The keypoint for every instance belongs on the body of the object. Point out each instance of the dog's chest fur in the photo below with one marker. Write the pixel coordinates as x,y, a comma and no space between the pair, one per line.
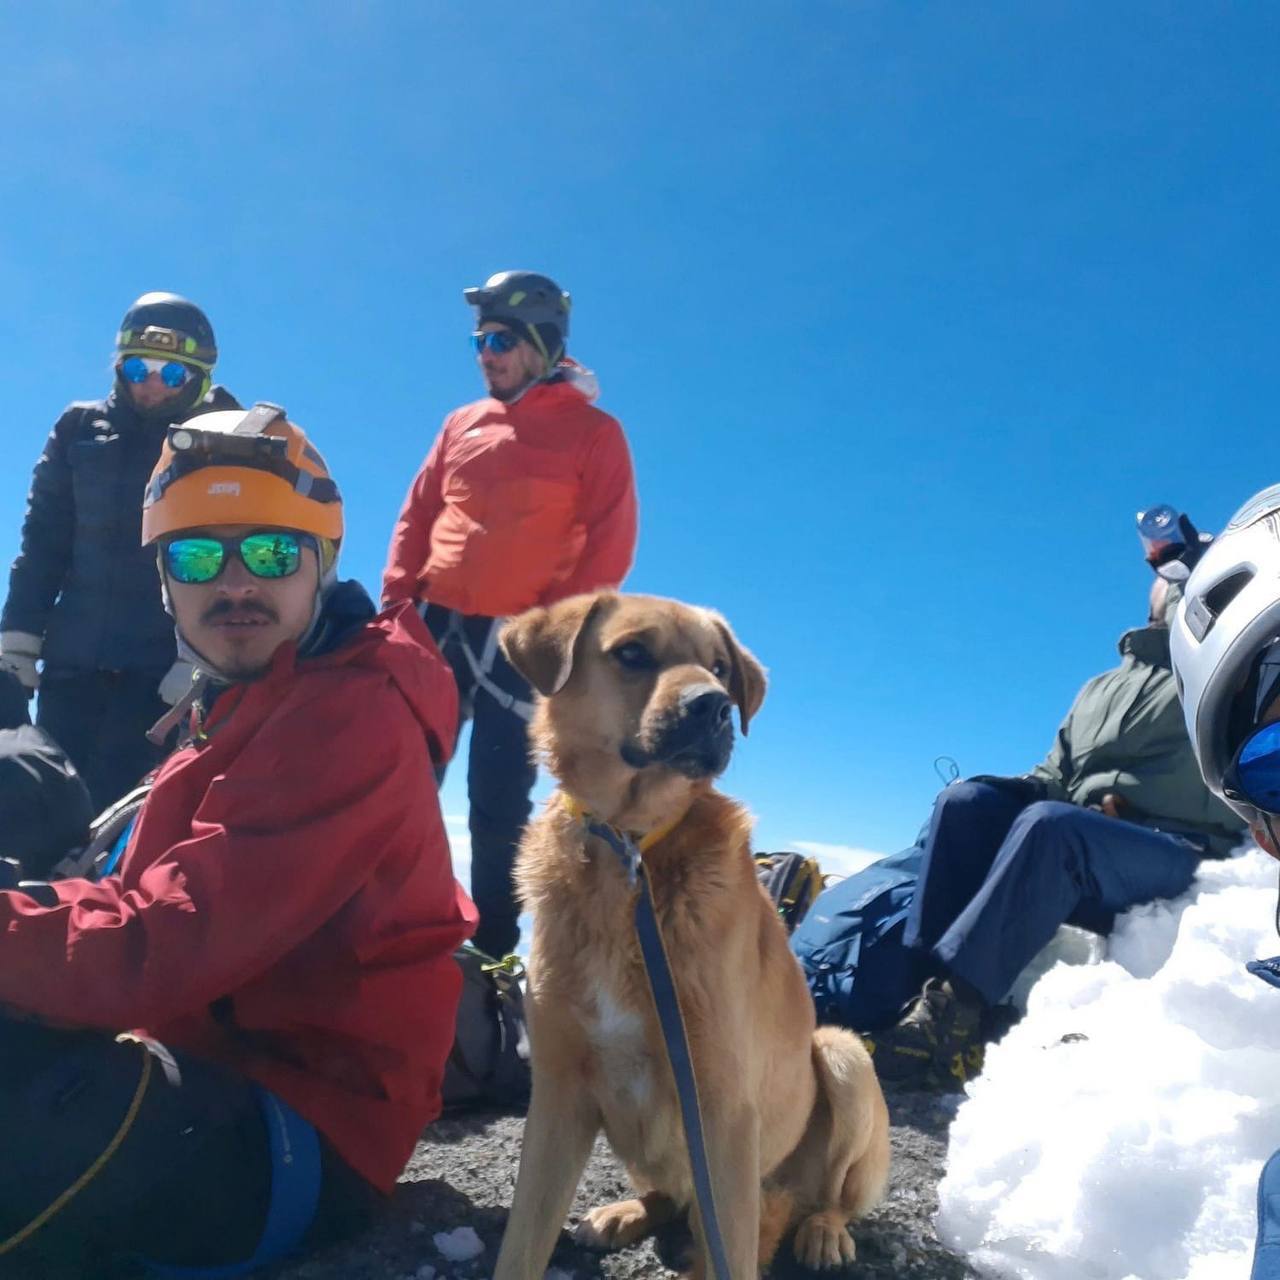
633,1085
615,1029
590,972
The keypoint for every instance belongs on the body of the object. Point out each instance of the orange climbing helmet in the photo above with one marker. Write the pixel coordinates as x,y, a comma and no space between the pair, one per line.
241,467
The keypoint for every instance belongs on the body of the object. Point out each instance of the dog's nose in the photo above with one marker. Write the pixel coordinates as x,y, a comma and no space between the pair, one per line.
708,706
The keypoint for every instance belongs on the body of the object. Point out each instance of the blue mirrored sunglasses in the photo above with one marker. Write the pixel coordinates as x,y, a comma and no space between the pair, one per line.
1254,775
138,369
499,341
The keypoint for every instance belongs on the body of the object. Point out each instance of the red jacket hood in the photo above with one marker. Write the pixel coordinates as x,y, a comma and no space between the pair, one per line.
393,642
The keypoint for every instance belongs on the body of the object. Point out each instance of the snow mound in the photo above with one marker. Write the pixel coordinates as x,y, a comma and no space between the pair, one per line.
1117,1133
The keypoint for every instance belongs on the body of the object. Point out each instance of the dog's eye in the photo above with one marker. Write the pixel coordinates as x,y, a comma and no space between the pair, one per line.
634,656
720,669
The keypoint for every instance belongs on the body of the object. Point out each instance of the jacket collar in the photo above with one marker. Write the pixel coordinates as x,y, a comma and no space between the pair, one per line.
1147,644
568,378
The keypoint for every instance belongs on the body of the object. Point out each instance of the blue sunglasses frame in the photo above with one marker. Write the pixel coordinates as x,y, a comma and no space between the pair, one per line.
173,373
499,341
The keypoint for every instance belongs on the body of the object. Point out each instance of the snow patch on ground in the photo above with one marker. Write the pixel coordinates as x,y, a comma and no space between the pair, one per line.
1117,1133
459,1245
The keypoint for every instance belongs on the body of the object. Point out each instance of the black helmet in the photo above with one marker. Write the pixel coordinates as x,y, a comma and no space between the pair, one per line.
163,324
532,304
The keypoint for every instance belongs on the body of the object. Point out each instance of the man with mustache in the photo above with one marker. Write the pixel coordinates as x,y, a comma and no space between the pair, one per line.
277,939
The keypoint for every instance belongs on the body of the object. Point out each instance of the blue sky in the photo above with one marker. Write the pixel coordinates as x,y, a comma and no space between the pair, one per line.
906,307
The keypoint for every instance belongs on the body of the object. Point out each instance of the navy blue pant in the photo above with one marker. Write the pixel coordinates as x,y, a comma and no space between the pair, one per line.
1000,876
171,1154
1266,1257
100,719
500,772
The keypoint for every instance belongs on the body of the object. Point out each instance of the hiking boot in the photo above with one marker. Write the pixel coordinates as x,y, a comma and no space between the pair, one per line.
936,1044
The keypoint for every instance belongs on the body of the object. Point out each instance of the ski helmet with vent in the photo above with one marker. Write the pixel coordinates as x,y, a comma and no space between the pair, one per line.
1228,619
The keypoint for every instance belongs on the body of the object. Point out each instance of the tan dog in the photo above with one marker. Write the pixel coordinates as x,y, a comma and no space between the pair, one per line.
634,722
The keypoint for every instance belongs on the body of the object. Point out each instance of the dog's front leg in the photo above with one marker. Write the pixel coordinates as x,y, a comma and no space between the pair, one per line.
561,1126
731,1129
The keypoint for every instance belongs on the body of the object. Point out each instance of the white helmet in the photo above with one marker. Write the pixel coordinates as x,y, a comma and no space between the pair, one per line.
1230,613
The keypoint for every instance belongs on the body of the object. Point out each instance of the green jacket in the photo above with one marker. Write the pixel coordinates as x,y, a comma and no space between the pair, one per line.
1125,734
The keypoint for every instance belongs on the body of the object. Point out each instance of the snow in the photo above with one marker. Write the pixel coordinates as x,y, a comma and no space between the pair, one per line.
1131,1149
459,1245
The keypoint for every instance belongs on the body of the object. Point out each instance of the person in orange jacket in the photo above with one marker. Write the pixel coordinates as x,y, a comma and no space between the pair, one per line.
526,497
278,938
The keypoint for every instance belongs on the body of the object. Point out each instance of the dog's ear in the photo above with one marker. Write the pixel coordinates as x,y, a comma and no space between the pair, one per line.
541,643
746,677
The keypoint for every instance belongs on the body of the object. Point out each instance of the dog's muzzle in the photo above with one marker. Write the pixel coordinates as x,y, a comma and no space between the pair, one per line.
696,739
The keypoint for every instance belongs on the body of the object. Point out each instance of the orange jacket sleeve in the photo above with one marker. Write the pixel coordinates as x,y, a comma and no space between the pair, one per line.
609,513
411,538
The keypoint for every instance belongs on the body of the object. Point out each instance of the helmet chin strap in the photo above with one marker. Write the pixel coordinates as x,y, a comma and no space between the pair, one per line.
328,580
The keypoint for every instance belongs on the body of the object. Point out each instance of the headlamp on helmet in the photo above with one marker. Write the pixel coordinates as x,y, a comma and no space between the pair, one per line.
168,324
215,446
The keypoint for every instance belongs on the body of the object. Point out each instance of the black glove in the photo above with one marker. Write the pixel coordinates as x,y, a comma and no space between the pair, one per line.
1023,787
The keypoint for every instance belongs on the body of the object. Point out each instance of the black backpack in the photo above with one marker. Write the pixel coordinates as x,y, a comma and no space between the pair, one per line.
44,805
489,1063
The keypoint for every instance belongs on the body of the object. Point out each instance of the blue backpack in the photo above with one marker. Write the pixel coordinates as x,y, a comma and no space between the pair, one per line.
850,945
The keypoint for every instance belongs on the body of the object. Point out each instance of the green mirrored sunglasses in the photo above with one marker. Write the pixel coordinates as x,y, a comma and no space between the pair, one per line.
266,554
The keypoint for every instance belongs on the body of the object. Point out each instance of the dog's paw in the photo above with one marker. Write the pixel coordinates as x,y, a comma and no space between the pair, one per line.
614,1226
823,1241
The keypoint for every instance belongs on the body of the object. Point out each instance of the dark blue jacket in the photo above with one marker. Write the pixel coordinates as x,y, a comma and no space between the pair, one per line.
83,580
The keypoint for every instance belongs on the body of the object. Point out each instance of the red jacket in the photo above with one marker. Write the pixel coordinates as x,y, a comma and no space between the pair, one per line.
517,505
294,869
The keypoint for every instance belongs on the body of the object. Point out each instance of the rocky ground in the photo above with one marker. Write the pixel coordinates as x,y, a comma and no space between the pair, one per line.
463,1174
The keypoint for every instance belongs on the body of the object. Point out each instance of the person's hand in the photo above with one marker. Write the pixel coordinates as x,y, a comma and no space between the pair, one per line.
177,682
1113,805
19,652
